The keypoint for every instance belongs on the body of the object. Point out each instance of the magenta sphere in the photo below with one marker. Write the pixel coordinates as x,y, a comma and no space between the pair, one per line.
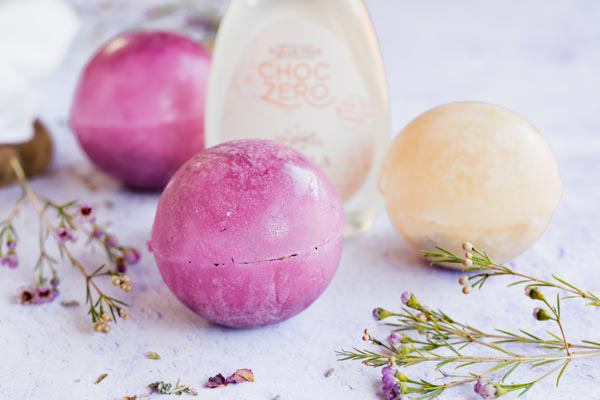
248,233
138,110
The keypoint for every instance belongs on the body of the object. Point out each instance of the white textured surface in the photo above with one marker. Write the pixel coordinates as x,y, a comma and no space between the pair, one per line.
538,58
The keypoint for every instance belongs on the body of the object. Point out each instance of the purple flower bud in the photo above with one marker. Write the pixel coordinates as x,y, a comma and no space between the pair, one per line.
64,235
388,382
488,390
406,297
388,371
478,386
410,300
55,281
11,244
10,260
395,339
111,241
121,265
97,233
379,314
392,393
131,255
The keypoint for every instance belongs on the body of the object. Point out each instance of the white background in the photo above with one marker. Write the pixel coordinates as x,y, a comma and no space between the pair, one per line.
538,58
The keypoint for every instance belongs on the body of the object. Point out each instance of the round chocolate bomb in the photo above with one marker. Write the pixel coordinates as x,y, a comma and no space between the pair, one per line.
138,110
248,233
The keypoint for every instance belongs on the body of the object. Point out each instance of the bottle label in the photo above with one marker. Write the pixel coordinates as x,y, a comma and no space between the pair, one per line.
297,83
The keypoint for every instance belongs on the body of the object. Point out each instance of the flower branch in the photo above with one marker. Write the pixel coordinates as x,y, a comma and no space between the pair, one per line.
421,335
71,218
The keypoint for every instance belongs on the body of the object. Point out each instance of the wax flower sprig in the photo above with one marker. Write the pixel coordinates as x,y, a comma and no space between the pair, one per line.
63,224
482,358
475,260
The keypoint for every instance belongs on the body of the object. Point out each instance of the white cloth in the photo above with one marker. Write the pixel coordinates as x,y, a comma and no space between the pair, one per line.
34,36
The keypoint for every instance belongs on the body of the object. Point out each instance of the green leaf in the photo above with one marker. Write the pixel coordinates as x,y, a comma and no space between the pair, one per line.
510,371
530,335
543,363
555,336
566,283
562,370
442,364
518,283
466,364
506,332
501,365
525,390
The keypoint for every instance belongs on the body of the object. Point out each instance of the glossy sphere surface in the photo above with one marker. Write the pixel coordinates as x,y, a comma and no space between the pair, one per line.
471,172
138,110
248,233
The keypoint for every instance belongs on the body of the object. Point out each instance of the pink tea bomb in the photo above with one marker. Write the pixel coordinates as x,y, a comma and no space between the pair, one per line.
138,110
248,233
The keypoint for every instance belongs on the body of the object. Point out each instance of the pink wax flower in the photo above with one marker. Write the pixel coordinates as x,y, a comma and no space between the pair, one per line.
138,111
248,233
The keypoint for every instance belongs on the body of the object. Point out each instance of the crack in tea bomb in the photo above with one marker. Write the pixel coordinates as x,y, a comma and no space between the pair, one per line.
248,233
138,110
470,172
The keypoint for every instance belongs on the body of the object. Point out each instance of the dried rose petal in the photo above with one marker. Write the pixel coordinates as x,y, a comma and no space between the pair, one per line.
241,376
216,381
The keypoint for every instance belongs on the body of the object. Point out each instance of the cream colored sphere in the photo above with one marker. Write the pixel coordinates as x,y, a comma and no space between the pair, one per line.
471,172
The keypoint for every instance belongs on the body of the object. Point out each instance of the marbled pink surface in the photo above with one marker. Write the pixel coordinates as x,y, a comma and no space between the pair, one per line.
248,233
138,110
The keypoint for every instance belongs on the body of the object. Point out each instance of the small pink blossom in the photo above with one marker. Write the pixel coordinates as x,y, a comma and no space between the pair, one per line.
86,213
64,235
